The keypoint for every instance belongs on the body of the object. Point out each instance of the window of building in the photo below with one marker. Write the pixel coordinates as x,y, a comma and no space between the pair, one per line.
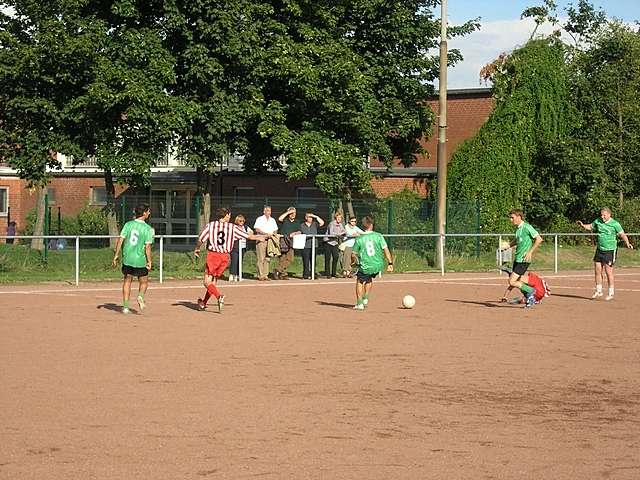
51,195
98,196
4,200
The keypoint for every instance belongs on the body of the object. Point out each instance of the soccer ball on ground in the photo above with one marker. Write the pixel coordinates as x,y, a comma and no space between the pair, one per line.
408,301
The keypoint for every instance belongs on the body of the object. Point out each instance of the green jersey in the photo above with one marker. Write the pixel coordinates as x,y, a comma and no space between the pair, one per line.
607,233
136,234
369,247
524,240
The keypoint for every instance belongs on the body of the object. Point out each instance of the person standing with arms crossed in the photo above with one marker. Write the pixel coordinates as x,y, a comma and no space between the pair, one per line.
370,250
265,225
608,231
135,242
526,242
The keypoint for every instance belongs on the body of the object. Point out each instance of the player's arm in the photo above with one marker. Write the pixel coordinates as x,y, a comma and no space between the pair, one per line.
204,234
147,253
387,253
624,237
116,254
586,226
537,240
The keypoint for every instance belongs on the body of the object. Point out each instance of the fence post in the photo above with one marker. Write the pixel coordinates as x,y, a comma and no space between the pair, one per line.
197,213
500,254
240,248
313,258
442,240
390,221
477,227
45,229
555,253
77,261
161,258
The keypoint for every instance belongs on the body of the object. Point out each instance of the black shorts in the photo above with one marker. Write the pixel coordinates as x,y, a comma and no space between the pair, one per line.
366,277
520,268
605,257
135,271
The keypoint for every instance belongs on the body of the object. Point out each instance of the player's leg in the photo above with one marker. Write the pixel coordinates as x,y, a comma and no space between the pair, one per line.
367,289
597,269
359,293
143,284
608,268
126,292
515,281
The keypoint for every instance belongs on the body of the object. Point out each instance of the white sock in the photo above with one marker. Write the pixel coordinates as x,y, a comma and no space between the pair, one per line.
598,287
611,291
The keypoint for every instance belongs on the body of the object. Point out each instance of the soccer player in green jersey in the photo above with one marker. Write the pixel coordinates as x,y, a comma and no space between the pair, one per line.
135,242
608,231
526,242
370,249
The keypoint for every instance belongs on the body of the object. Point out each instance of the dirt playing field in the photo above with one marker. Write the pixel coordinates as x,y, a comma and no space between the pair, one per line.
290,383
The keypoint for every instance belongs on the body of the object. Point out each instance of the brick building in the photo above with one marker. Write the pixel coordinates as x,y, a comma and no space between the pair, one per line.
172,194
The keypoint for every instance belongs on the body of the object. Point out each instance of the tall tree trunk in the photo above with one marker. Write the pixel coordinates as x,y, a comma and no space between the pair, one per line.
350,206
110,207
38,228
205,184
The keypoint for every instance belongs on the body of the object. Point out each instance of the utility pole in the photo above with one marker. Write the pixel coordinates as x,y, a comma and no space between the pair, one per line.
442,136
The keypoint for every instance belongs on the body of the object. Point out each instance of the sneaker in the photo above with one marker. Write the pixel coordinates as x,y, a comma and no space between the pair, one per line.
220,303
141,303
597,294
126,310
359,306
608,297
201,304
531,301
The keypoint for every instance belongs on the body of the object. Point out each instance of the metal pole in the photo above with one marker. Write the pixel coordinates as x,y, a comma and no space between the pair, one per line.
555,253
500,254
161,258
442,239
77,261
442,127
313,258
240,248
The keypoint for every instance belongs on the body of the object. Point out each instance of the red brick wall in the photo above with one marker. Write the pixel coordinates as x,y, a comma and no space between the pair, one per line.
466,113
383,187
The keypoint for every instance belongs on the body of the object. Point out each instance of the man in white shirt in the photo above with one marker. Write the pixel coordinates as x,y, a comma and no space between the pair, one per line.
265,225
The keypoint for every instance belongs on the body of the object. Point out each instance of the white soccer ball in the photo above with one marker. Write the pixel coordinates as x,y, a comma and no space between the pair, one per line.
408,301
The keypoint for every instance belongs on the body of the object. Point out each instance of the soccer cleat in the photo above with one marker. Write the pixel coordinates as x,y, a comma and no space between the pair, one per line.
359,306
220,303
126,310
608,297
201,304
531,301
141,303
597,294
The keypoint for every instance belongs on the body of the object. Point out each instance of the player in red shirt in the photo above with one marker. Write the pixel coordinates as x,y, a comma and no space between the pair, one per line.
219,236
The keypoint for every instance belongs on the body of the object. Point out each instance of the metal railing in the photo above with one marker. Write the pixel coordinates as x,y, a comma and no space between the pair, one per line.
441,252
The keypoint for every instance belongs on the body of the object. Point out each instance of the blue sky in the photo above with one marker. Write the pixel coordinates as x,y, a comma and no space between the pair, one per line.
502,30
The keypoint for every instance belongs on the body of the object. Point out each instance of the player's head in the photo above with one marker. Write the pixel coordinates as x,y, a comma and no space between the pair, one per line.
337,216
605,213
267,210
142,210
223,214
239,220
367,223
516,216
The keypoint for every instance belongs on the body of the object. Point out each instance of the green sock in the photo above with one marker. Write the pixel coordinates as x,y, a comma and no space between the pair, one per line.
141,295
359,301
125,304
526,289
365,296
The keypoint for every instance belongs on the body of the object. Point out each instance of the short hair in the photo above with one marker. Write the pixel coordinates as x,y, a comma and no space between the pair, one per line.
222,212
338,212
238,218
140,209
367,221
292,208
606,209
517,211
266,206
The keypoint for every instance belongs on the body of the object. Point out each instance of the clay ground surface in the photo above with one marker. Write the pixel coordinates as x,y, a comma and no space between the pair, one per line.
290,383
